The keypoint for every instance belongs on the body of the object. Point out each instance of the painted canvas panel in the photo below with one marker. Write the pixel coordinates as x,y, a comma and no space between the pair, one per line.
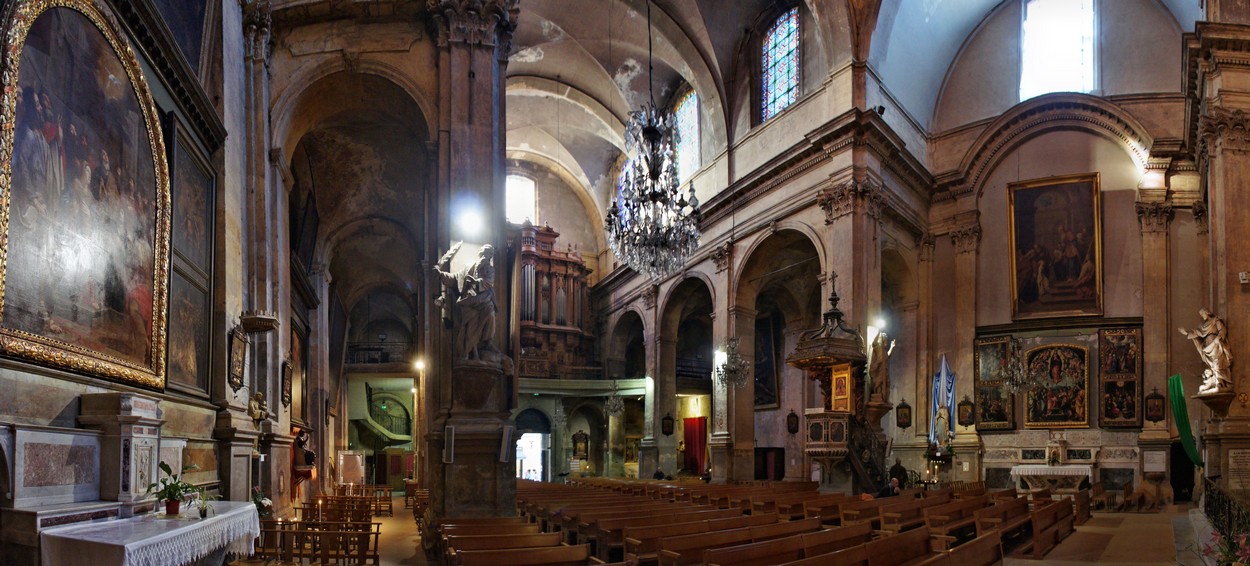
766,333
1063,401
1056,247
299,360
186,19
990,358
85,276
841,398
192,195
1119,351
1121,402
188,343
995,405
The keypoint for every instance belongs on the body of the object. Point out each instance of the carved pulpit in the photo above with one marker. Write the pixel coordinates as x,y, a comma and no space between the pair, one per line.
833,356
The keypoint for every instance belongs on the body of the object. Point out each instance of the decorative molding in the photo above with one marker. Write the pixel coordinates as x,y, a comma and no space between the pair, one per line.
853,195
1200,217
475,22
1154,217
351,61
925,244
722,256
259,321
648,296
257,31
966,240
1044,113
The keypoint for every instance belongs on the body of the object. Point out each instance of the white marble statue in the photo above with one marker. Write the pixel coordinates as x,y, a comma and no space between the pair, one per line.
1210,340
468,302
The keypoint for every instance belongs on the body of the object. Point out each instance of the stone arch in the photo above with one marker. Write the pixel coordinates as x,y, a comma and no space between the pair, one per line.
1047,113
897,278
534,416
670,319
790,234
628,328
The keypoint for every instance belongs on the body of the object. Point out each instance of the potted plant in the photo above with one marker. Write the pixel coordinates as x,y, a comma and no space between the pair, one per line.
264,505
1229,550
171,489
205,502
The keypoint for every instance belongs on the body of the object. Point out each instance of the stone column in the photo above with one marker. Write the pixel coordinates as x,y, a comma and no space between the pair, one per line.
720,443
665,402
966,236
1155,218
742,399
852,216
318,378
477,477
616,446
648,453
924,342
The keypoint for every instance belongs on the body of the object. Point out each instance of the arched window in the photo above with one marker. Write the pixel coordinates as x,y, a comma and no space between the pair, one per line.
781,64
520,199
1057,47
686,116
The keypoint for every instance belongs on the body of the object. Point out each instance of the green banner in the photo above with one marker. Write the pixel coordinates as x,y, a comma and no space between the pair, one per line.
1176,396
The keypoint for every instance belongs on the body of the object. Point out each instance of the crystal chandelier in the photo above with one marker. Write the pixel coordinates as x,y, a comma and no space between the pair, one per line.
614,406
731,369
1016,377
651,226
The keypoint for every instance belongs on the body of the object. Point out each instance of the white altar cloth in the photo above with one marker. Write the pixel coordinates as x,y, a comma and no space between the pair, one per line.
1042,470
154,540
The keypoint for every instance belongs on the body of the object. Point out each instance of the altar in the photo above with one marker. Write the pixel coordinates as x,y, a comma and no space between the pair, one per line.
156,540
1067,477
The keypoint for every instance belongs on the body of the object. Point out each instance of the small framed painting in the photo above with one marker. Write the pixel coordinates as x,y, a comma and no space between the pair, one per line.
841,388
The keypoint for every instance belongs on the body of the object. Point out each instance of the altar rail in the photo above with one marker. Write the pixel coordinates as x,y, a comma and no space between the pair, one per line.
1227,514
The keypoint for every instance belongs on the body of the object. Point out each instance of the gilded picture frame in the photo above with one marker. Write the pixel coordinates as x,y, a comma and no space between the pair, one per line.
1055,246
1119,352
84,265
840,397
1063,400
995,405
238,356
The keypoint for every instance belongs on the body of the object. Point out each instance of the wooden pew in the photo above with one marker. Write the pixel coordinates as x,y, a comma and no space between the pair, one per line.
1041,497
853,556
461,543
1081,506
865,510
641,542
1050,524
609,533
986,550
1009,493
898,517
763,552
547,556
689,549
953,517
791,505
833,540
581,524
909,548
1009,517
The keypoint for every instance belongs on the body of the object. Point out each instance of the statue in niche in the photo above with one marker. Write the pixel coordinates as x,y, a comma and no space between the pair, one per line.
257,408
468,304
1210,340
879,366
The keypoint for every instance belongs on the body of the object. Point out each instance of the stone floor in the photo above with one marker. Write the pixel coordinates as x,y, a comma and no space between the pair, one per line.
1114,539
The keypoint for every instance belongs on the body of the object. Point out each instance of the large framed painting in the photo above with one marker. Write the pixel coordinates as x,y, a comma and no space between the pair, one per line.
84,186
1121,402
767,330
990,358
1062,401
1056,247
995,405
1119,352
188,342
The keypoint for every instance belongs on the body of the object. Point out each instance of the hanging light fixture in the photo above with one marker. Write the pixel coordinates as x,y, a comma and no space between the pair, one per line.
731,369
558,418
1016,376
651,226
614,406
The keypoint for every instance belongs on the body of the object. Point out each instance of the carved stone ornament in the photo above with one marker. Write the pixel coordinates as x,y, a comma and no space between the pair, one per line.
257,30
475,22
1221,128
1154,216
1200,218
925,245
648,296
721,256
854,195
967,239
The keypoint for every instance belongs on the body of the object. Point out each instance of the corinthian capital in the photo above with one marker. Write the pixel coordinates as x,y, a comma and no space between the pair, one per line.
1224,128
480,22
853,195
967,239
1154,216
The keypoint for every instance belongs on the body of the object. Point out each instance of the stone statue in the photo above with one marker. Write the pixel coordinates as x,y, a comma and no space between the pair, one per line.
879,366
1210,339
468,302
257,408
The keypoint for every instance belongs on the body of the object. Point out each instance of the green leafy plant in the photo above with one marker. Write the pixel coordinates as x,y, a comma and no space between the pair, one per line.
205,501
171,487
1228,550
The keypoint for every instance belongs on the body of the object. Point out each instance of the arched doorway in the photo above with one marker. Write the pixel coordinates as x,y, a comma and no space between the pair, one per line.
533,448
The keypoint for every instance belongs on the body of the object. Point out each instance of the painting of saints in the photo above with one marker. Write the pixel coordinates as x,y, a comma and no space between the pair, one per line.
1056,255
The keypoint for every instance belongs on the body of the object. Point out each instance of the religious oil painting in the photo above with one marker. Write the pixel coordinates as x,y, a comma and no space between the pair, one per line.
86,187
1120,402
990,357
841,387
192,198
767,330
188,345
1119,352
995,405
1056,247
1061,400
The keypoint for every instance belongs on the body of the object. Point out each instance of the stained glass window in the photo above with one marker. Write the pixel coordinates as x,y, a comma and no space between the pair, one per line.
687,118
1057,38
520,199
781,64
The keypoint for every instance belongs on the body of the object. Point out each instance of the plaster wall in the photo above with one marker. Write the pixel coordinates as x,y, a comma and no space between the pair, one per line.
1138,52
1062,153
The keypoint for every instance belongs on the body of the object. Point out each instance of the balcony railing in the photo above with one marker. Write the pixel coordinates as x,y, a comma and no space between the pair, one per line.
377,352
1229,515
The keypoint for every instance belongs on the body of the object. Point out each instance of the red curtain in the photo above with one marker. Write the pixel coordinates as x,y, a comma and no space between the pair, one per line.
696,444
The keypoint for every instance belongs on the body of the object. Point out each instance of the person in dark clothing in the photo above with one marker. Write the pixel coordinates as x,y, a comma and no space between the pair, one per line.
659,474
897,471
890,490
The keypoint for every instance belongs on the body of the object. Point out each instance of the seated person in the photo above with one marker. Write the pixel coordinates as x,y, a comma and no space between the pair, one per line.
891,489
659,474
